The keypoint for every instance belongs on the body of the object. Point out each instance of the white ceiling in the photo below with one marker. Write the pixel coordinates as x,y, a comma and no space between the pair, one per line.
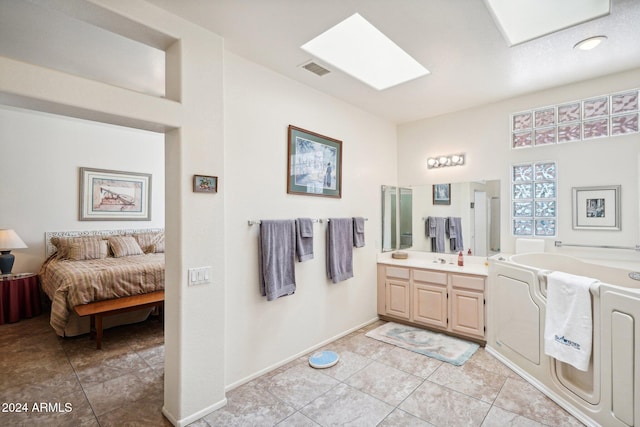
457,40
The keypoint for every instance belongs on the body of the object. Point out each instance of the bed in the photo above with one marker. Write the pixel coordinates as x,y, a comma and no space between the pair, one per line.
89,266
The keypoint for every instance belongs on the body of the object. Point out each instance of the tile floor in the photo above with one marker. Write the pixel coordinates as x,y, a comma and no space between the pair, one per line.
374,384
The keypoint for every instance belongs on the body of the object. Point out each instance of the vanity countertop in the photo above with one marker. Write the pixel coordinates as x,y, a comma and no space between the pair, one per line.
472,264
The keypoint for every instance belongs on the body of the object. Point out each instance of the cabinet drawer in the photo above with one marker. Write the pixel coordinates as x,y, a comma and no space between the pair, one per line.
399,273
467,282
430,276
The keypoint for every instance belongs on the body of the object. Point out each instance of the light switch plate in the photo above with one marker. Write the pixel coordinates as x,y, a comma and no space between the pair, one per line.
199,276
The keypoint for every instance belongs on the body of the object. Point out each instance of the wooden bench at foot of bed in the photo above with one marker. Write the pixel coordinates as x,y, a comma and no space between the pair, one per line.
97,310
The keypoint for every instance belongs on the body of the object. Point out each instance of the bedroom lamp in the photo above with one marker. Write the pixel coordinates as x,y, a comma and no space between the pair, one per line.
9,240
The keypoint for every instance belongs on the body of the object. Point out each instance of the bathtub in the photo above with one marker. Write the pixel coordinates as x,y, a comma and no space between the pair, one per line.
608,394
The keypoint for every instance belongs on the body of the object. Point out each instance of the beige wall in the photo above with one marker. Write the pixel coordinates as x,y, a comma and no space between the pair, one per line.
259,105
483,133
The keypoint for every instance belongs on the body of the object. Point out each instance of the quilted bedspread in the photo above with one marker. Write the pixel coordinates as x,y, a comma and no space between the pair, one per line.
70,283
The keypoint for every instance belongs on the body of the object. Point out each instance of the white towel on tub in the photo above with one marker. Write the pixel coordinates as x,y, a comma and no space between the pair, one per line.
568,321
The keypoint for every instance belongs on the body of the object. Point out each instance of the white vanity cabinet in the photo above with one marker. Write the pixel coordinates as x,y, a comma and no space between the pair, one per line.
451,302
397,292
467,305
429,294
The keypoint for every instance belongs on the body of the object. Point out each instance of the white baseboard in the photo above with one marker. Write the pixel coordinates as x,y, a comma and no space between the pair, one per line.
193,417
295,356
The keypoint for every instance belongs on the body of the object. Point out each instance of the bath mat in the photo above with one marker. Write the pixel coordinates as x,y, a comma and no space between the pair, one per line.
432,344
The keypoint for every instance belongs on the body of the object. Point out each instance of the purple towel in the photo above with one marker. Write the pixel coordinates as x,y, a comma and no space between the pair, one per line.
358,232
340,249
454,230
435,228
304,239
277,249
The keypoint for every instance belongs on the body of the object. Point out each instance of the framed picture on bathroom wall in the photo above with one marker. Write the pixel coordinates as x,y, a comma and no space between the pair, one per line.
442,194
314,164
596,208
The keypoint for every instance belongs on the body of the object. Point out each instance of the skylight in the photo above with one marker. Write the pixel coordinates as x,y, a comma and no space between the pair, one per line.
362,51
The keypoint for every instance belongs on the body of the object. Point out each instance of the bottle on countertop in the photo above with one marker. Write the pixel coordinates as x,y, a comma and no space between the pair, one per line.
460,259
469,252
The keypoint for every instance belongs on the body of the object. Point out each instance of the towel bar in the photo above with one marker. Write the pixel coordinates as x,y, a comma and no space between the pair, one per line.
258,222
559,244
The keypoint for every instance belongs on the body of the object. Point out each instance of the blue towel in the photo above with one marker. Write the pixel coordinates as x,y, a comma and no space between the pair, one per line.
277,249
304,239
340,249
454,231
358,232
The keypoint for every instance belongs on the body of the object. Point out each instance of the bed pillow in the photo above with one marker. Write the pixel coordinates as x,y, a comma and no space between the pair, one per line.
88,249
122,246
150,242
63,244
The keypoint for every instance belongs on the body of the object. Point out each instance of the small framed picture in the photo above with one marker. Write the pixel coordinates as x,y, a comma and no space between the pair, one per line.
596,208
442,194
205,184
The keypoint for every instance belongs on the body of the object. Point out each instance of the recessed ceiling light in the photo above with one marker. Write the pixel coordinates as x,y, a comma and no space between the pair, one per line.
590,43
362,51
524,20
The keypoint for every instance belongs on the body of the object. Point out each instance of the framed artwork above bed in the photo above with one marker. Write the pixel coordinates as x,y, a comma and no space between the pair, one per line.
108,195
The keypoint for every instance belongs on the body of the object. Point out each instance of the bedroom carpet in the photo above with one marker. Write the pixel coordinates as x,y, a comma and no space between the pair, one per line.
439,346
373,384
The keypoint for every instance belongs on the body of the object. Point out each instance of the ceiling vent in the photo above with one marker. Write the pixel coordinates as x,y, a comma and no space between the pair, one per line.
316,69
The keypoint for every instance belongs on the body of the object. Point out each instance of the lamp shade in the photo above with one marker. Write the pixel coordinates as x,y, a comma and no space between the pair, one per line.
10,240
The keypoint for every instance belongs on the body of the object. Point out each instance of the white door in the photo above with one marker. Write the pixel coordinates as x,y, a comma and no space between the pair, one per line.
480,223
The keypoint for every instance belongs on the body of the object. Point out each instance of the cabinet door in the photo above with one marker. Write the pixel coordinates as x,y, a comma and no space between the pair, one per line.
467,312
397,301
430,304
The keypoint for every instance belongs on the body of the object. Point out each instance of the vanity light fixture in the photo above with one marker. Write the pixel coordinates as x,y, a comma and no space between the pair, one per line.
442,161
590,43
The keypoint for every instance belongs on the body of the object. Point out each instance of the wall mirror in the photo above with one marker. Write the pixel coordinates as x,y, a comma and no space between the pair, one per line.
476,203
397,218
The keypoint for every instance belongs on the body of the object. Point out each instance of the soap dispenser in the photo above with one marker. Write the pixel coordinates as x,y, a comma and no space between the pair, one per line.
460,259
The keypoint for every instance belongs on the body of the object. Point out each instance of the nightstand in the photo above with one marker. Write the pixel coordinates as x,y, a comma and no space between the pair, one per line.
19,297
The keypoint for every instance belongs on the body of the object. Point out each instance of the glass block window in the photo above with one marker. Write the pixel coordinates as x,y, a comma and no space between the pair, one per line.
597,117
534,199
